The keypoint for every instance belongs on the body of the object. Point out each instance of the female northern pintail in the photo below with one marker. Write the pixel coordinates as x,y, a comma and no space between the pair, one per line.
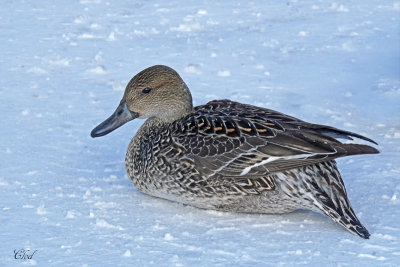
229,156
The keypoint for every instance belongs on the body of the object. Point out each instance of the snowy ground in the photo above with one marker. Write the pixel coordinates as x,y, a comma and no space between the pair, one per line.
64,65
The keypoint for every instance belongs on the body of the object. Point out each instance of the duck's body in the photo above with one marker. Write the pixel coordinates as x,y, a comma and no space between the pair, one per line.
234,157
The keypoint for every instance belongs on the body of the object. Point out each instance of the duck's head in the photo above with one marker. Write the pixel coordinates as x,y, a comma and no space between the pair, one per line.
157,92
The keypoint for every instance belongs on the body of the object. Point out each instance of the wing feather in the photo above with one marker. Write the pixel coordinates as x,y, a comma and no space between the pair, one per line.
230,139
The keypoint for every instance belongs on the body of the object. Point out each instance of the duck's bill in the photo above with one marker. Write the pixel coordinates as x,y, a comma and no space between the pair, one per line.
120,116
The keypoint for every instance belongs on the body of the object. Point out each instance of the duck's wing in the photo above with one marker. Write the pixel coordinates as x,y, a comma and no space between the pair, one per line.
235,140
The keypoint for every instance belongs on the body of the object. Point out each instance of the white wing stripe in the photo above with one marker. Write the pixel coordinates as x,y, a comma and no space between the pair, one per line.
270,159
233,159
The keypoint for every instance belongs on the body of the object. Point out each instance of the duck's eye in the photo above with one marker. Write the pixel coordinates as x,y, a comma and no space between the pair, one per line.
146,90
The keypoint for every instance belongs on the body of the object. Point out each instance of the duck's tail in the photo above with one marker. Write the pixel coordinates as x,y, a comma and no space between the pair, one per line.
347,218
322,190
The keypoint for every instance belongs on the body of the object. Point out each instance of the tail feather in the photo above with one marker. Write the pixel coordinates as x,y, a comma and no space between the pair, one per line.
355,149
333,201
337,133
328,135
319,187
346,217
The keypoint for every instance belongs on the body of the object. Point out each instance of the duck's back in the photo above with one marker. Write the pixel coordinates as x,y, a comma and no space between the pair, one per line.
237,140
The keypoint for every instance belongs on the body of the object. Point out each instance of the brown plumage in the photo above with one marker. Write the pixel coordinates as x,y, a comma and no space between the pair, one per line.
225,155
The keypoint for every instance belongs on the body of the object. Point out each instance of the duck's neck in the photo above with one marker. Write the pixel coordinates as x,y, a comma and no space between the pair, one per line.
148,125
155,122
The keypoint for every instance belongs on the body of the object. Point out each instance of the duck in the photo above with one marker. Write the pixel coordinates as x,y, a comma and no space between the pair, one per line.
230,156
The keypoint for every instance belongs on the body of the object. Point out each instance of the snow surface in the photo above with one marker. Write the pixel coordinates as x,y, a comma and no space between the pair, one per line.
64,66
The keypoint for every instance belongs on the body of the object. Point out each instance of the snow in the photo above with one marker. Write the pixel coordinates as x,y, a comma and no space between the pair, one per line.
64,65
